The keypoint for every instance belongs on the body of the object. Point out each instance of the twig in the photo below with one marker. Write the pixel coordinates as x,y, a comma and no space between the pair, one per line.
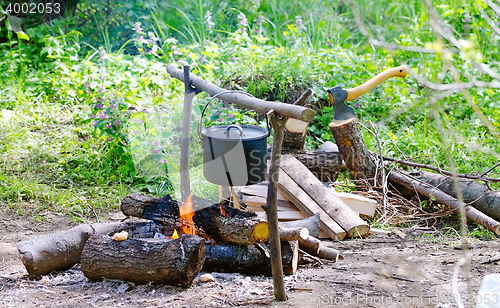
489,170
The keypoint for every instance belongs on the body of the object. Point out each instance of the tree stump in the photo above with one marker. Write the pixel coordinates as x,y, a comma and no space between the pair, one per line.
359,161
144,260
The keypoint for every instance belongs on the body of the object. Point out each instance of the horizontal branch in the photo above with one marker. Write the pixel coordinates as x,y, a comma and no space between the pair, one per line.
282,109
443,172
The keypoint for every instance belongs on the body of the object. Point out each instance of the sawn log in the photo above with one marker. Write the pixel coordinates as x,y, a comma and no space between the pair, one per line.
59,251
158,261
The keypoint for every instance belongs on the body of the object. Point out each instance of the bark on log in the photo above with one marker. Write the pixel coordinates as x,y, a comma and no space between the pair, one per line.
294,135
326,198
316,248
475,194
59,251
311,223
281,109
158,261
226,258
359,161
325,165
231,226
427,190
293,234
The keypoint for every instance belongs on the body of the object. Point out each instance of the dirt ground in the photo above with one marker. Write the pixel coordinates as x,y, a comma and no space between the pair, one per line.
376,272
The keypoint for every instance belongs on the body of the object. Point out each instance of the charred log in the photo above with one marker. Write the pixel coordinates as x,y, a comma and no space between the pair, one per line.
227,258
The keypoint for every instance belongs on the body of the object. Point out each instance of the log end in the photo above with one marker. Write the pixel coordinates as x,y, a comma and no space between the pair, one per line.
304,233
337,123
261,232
359,231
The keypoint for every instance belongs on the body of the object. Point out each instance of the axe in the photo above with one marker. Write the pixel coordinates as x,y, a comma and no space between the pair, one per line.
338,96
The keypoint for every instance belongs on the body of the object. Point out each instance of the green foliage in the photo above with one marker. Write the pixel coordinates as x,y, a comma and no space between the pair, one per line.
89,113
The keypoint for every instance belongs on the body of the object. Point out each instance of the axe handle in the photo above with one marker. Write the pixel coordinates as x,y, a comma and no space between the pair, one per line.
400,71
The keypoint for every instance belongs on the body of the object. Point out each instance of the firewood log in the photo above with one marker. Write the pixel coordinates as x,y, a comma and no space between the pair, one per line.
229,225
316,248
227,258
59,251
293,234
311,223
158,261
325,198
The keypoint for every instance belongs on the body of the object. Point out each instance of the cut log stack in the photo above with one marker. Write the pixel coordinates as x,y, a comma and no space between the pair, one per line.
301,192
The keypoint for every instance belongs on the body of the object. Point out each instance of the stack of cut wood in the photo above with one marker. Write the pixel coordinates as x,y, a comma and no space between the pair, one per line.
302,194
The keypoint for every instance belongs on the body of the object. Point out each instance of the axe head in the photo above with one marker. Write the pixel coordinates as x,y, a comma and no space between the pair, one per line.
338,98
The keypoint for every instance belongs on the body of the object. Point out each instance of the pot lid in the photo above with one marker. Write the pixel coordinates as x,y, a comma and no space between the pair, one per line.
235,132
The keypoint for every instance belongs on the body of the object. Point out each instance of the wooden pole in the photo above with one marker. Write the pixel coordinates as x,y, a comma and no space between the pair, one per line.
271,207
189,94
281,109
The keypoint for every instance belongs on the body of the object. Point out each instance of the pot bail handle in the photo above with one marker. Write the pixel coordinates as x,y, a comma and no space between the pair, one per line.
234,126
200,125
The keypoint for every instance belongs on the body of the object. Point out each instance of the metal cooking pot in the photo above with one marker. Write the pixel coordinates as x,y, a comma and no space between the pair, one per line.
234,155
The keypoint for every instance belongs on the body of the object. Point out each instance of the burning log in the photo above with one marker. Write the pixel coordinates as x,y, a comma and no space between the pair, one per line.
142,261
316,248
59,251
222,223
227,258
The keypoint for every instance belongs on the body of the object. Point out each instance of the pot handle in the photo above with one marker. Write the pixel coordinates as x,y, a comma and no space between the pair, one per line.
200,124
234,126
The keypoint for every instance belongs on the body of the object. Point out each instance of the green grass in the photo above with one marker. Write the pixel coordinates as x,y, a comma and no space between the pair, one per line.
52,157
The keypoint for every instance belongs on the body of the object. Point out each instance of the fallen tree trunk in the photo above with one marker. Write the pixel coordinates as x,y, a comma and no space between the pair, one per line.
316,248
159,261
428,190
59,251
228,225
359,161
227,258
475,194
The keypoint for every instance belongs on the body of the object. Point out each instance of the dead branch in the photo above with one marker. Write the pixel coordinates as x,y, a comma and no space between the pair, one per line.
443,172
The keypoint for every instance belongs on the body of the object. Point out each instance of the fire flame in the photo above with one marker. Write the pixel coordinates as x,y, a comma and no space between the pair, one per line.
186,214
222,210
175,235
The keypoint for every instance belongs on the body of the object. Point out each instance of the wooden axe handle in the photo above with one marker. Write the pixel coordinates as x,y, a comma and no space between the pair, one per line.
400,71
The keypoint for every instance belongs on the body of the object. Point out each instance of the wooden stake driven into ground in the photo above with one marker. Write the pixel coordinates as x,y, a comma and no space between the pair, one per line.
271,208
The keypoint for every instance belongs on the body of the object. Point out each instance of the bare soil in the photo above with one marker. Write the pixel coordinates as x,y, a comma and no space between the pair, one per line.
376,272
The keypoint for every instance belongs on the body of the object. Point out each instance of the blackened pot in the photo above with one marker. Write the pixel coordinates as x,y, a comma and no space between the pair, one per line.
234,155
